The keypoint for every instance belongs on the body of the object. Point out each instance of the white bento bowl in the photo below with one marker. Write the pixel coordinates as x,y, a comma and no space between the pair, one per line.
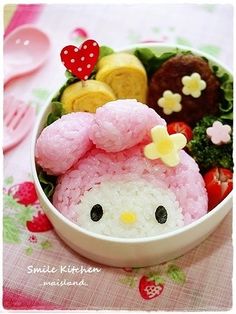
139,252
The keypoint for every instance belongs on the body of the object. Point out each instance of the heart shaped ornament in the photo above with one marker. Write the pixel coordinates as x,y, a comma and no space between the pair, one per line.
81,61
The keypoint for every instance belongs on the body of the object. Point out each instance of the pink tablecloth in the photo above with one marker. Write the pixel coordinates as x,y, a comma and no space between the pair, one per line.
200,280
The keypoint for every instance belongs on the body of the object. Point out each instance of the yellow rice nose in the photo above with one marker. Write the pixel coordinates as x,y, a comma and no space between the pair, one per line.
128,217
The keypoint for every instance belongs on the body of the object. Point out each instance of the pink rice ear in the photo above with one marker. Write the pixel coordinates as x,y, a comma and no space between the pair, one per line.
122,124
64,142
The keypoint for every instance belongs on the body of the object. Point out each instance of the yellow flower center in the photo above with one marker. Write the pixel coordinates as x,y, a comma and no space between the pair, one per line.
170,102
165,146
128,217
194,84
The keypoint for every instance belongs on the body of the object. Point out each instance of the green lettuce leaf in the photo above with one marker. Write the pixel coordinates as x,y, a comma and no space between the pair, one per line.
47,182
57,107
150,61
227,116
56,113
226,87
70,80
105,51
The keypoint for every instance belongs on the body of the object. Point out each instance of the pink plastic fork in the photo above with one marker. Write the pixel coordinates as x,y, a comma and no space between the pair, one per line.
17,120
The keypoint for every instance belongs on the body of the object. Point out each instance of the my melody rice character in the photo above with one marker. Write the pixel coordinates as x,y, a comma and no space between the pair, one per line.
120,173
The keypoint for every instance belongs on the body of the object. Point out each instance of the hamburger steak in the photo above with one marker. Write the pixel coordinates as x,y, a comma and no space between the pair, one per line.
169,77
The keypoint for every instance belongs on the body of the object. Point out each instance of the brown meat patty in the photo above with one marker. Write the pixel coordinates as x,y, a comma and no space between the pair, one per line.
169,76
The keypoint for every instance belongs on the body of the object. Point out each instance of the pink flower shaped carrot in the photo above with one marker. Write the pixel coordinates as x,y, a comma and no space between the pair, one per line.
219,133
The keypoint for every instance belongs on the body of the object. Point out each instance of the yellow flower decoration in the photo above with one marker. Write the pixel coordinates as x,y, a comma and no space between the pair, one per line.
165,146
193,85
170,102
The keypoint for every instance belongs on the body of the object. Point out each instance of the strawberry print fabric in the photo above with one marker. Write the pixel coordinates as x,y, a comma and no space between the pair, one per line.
39,271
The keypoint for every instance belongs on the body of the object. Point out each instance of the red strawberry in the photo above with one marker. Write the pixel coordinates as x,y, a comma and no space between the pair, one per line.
39,223
24,193
151,286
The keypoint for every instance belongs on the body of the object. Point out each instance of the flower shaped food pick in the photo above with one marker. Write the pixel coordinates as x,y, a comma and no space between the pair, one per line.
219,133
170,102
165,146
193,85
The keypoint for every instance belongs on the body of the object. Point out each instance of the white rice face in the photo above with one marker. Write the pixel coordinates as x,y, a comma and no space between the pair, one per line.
140,198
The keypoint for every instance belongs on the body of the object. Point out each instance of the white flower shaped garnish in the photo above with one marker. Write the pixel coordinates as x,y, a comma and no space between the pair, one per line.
219,133
170,102
193,85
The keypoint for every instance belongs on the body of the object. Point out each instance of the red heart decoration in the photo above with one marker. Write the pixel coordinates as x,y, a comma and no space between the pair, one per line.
81,61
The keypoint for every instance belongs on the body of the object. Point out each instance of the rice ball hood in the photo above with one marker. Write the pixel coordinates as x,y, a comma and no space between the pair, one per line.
108,168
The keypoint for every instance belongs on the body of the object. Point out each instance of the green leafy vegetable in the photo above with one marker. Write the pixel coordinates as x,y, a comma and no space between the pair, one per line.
206,154
150,61
47,182
69,75
57,107
226,104
227,116
71,79
56,113
226,87
105,51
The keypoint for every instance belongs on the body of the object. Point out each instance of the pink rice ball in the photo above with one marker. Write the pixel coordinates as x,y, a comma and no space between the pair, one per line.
123,123
98,166
63,142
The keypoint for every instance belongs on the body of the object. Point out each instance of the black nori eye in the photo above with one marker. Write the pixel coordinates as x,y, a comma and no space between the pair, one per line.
161,214
96,212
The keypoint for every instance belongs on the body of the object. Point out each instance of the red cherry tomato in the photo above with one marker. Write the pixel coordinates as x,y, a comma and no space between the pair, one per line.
219,182
180,127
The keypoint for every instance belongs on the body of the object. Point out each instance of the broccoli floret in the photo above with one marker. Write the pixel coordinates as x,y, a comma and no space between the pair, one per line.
205,153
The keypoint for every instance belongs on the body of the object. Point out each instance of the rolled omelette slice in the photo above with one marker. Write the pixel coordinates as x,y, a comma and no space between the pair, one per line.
86,96
125,74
